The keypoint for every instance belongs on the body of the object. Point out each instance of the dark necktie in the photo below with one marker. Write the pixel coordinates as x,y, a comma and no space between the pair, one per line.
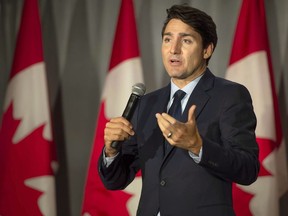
175,111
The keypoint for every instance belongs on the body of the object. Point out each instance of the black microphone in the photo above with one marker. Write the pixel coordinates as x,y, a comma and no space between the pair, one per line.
138,90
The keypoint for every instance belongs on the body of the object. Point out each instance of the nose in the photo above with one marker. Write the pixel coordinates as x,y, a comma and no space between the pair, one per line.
176,47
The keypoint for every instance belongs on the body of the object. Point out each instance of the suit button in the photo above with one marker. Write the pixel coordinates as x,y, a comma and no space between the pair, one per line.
162,183
213,163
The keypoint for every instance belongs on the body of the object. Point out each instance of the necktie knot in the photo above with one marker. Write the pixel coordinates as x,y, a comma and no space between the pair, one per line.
178,95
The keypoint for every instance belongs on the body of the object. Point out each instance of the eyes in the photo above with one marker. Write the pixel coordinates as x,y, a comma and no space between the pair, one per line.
184,40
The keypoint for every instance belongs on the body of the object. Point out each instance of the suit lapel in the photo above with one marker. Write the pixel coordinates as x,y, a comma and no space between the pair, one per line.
160,107
199,96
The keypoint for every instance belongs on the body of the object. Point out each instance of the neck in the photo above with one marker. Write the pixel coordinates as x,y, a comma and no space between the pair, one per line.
181,83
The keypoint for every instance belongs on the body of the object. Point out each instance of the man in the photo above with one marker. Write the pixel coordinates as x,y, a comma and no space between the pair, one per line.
188,162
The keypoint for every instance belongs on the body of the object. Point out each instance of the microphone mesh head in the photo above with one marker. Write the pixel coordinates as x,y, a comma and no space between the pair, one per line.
139,89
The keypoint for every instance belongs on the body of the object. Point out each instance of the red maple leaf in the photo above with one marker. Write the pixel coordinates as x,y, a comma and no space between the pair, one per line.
30,157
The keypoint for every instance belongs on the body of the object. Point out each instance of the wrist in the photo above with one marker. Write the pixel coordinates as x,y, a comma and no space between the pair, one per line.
196,147
110,152
196,150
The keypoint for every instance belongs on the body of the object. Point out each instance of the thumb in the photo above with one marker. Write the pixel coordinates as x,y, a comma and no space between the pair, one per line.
191,113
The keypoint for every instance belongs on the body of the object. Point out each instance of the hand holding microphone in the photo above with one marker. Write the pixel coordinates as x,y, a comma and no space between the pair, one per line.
138,90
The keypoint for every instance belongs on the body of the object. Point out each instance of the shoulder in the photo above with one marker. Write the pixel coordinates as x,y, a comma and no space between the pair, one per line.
162,92
228,87
219,85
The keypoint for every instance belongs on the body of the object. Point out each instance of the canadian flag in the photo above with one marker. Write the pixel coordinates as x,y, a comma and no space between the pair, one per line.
124,71
27,151
250,64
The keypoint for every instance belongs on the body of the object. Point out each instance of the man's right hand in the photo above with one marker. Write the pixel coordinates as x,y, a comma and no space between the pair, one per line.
117,129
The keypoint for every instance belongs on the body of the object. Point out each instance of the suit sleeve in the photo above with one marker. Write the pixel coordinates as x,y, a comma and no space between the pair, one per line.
235,156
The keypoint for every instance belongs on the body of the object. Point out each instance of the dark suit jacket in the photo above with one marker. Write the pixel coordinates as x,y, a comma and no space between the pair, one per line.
175,184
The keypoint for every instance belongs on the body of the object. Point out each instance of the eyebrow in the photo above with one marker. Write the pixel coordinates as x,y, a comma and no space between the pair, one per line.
181,34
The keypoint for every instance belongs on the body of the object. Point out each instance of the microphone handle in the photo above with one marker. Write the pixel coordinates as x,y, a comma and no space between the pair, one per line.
127,114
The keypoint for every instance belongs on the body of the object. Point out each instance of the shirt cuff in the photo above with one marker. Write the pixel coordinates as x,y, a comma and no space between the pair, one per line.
108,160
196,158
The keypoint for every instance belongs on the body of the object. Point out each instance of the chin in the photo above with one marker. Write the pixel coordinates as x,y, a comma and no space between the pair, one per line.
178,77
176,74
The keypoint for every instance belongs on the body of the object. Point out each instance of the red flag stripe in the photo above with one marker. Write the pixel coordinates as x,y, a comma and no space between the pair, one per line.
27,54
250,14
126,33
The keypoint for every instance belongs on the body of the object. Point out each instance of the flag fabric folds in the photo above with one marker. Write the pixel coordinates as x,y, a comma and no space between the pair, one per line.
27,150
250,64
124,71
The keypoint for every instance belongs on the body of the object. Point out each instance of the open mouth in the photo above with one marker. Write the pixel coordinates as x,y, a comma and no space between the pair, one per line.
172,60
175,61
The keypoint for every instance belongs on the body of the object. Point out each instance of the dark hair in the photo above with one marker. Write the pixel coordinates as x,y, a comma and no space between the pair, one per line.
197,19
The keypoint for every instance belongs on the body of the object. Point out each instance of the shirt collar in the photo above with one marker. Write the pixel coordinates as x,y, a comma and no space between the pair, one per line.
188,89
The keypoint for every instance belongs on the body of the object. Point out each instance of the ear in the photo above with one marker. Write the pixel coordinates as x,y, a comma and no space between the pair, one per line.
208,51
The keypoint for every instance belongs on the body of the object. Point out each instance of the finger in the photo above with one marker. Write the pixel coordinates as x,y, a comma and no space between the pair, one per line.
119,129
161,121
166,120
191,113
169,118
115,135
120,126
164,125
122,120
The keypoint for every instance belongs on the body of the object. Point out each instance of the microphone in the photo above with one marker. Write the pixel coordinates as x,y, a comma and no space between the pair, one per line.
138,90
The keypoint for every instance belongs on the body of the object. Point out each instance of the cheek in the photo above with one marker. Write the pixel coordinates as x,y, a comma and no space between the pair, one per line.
164,50
193,58
191,62
163,56
189,59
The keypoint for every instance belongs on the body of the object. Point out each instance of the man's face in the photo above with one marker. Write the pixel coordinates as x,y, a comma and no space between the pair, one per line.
182,52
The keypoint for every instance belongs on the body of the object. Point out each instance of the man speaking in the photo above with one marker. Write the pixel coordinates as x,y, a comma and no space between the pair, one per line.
192,138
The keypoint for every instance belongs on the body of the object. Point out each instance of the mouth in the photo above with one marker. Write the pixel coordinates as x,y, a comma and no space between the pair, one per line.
175,61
